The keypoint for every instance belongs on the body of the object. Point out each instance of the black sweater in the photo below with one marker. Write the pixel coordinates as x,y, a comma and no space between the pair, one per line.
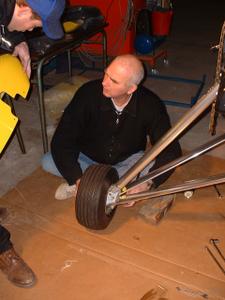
6,13
89,125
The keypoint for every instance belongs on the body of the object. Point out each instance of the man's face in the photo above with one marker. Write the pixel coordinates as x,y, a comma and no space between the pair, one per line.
23,20
115,81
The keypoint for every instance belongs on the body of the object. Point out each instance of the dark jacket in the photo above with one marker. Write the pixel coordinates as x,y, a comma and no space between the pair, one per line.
6,13
91,125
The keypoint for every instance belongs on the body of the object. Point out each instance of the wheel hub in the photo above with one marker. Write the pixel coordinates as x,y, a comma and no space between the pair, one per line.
112,198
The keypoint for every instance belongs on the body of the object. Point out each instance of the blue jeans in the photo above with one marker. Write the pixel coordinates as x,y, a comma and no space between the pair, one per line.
49,166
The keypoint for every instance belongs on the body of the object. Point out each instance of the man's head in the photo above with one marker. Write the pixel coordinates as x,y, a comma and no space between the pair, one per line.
122,76
29,14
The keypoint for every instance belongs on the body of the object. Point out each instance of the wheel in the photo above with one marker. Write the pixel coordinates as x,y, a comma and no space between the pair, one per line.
91,196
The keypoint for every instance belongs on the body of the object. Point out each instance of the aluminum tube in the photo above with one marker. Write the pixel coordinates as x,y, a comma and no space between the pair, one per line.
170,136
189,185
179,161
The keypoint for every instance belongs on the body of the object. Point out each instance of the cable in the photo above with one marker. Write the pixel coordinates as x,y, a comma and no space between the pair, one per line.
119,36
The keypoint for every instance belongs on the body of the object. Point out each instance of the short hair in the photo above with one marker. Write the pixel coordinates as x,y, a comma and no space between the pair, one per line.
21,2
24,3
134,65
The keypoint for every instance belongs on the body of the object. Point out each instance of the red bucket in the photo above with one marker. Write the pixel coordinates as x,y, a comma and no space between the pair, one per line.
161,21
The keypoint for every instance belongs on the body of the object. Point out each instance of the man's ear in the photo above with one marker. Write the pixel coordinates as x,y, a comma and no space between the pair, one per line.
132,89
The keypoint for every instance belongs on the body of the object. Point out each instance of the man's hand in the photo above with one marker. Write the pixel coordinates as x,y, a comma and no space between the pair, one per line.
138,189
78,182
22,51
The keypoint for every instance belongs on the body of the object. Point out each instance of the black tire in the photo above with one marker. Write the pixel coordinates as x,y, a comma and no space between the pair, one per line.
91,196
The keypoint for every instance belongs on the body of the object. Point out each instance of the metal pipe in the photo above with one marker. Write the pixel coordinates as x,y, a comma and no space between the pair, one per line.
179,161
188,185
215,259
170,136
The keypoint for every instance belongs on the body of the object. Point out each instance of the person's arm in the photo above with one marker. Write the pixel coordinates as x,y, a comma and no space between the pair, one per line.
18,47
22,51
64,145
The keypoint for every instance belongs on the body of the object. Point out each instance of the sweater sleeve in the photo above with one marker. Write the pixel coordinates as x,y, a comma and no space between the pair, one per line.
160,125
14,38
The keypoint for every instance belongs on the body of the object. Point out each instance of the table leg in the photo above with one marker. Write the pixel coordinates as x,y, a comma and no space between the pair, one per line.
69,62
42,106
104,49
18,132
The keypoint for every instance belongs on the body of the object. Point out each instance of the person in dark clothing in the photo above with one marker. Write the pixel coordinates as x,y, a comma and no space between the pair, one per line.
17,16
108,121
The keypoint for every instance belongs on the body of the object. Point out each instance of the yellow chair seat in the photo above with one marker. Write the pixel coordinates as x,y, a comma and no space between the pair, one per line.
13,81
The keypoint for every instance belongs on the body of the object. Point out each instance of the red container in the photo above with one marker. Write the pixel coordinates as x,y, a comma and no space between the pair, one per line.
119,40
161,22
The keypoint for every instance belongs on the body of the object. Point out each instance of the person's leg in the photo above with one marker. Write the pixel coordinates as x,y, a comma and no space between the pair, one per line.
64,190
12,265
124,166
85,162
49,166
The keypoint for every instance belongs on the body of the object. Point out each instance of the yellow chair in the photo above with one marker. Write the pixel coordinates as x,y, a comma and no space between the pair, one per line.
13,81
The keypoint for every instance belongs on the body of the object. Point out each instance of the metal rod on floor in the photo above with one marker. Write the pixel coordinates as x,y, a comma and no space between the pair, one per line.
215,259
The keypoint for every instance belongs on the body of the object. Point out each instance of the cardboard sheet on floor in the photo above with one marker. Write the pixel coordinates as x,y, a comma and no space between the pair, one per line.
132,259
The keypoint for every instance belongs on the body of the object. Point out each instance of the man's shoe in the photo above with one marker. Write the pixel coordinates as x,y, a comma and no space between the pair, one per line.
65,191
16,270
3,214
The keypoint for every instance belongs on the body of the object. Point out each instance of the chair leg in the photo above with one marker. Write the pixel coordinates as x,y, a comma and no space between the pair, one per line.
18,132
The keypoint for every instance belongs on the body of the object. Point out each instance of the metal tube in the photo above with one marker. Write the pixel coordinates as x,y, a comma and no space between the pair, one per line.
188,185
170,136
215,259
179,161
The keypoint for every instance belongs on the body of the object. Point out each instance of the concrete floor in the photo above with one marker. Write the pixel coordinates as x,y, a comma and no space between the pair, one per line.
131,259
195,29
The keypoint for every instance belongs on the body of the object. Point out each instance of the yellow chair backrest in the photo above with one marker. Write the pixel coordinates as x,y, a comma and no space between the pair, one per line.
13,81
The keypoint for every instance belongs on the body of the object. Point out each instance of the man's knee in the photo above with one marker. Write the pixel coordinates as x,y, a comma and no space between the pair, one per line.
47,163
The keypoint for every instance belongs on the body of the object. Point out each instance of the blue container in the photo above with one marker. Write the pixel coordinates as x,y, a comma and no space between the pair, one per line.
144,44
